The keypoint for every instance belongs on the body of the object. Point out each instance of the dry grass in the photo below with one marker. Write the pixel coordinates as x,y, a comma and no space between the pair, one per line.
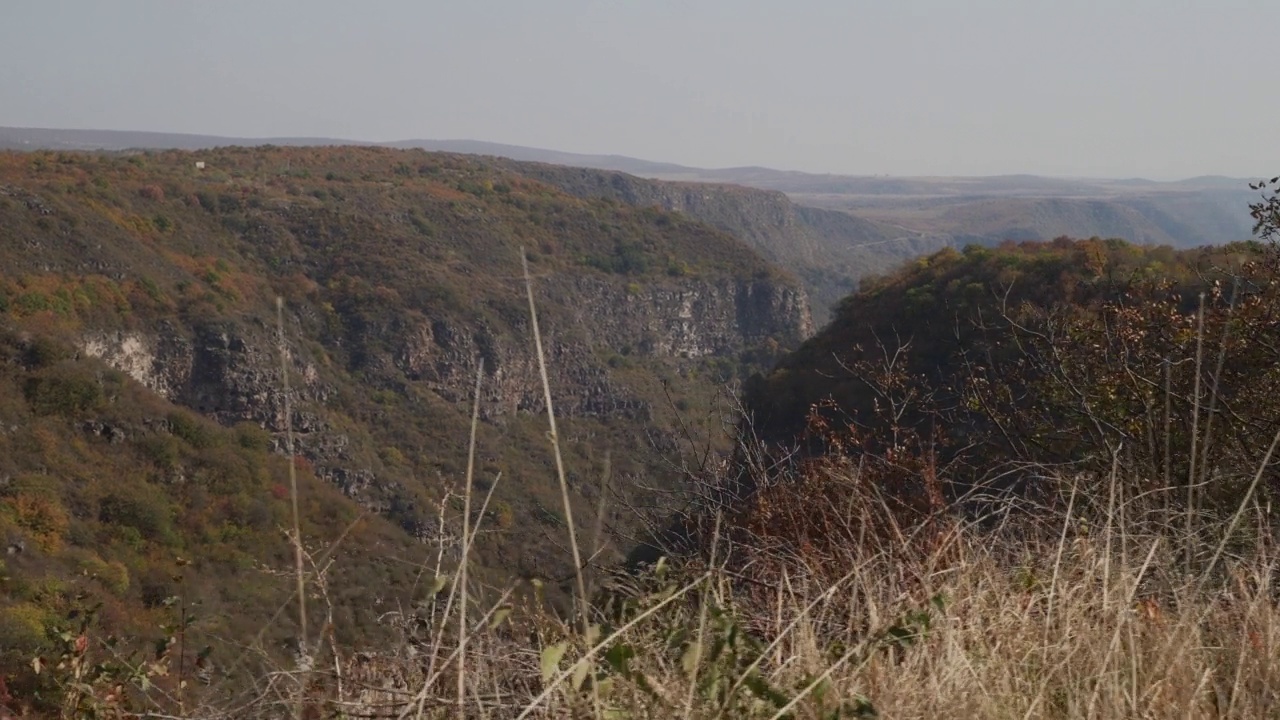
1050,615
1077,619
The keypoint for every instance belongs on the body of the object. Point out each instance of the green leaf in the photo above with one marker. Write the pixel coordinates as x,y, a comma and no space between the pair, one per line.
820,690
604,686
763,690
551,656
618,656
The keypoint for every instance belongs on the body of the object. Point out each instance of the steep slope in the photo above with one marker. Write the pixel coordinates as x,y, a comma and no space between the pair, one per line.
118,505
828,250
400,272
1063,354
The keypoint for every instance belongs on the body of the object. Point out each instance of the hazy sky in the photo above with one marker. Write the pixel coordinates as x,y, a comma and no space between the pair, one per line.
1155,88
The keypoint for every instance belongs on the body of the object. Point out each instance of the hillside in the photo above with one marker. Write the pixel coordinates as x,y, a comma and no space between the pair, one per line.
828,250
894,217
400,272
960,210
132,513
144,497
1038,354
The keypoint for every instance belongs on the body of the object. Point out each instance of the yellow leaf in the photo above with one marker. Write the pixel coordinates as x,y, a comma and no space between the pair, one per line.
439,584
691,657
499,617
551,656
580,675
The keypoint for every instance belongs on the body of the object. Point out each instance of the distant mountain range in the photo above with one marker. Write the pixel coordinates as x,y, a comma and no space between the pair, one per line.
957,210
116,140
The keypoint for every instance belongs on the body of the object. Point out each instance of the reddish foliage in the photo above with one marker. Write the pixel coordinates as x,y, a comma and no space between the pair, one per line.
151,192
303,465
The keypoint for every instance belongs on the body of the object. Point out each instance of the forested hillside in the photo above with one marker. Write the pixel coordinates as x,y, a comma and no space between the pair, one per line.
1068,354
146,411
151,523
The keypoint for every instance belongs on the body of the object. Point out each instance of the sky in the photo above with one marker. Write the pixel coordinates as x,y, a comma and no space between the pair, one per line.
1163,89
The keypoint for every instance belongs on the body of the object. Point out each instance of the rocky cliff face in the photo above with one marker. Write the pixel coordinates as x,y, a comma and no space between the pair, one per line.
225,371
231,370
232,373
677,320
695,318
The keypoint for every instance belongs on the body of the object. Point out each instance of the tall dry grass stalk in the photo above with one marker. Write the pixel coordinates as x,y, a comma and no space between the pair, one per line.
304,650
1037,629
466,538
1048,626
1195,432
583,600
554,437
1082,612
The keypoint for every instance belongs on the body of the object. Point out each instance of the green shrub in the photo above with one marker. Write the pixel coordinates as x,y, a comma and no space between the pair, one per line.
148,513
22,628
63,392
163,450
252,437
196,431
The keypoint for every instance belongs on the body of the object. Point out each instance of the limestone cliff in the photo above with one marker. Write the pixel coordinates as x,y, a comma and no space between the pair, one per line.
231,371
